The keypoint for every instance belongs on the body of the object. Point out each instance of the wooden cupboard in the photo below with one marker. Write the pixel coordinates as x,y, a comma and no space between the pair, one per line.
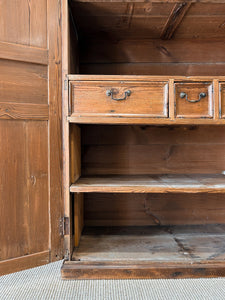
112,121
143,139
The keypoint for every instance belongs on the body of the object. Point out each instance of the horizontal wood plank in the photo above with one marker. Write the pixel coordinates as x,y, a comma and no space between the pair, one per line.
152,135
151,184
23,53
169,69
100,270
146,78
23,82
11,110
153,51
150,1
24,262
111,209
134,119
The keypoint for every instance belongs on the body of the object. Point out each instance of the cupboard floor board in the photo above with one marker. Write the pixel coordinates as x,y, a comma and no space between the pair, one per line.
153,243
148,252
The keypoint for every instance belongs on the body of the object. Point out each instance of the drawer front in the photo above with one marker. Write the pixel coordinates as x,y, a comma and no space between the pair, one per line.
222,100
194,100
111,98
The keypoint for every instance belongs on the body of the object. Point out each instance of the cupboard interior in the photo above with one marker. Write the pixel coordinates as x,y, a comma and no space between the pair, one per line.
157,226
135,38
147,38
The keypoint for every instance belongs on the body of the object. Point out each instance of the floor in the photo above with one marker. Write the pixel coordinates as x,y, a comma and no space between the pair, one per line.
45,283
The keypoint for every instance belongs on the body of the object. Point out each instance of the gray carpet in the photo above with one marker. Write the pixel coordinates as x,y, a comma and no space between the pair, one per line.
45,283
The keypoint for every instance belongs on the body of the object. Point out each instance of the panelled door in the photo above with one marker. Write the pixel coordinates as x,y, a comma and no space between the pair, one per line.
30,134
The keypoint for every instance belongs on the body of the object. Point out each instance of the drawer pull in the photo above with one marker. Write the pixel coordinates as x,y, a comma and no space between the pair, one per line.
126,94
184,95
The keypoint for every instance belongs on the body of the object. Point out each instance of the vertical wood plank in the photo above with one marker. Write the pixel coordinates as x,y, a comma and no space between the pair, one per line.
75,153
38,23
37,185
68,243
171,99
55,127
216,98
78,217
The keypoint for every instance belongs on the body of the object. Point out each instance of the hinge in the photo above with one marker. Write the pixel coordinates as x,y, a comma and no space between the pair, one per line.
66,84
64,226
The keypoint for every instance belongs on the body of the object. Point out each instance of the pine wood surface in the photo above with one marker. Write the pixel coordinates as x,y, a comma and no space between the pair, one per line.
151,184
163,252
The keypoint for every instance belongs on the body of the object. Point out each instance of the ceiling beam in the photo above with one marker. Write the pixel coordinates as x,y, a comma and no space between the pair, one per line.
175,18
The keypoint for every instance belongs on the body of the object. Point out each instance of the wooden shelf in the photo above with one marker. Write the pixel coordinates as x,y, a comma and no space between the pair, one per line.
194,183
162,252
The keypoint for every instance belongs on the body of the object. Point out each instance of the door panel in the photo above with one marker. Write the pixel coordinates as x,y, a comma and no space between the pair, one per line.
24,22
24,188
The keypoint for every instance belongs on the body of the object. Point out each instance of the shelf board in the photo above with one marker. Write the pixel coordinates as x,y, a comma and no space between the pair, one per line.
194,183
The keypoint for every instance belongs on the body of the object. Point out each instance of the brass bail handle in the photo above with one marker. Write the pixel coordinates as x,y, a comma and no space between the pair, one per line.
126,94
184,95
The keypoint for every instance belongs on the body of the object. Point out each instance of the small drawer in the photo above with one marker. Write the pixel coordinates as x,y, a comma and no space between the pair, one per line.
194,100
222,100
111,98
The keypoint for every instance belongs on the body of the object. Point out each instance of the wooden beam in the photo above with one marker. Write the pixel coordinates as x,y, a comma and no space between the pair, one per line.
23,53
175,18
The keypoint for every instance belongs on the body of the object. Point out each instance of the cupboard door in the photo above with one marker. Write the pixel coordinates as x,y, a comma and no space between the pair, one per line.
30,128
194,100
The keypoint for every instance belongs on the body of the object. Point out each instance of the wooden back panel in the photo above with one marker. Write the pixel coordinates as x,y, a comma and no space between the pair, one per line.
145,39
153,209
152,149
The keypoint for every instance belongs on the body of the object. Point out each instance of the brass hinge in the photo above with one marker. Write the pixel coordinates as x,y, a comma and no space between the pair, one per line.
64,226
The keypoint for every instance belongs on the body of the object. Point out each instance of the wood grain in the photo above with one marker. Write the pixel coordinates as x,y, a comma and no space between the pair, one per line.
28,22
54,35
150,184
153,159
23,82
175,18
75,153
202,109
105,209
113,19
163,252
169,69
152,51
148,98
24,176
100,270
23,53
23,111
177,244
24,262
151,135
78,217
